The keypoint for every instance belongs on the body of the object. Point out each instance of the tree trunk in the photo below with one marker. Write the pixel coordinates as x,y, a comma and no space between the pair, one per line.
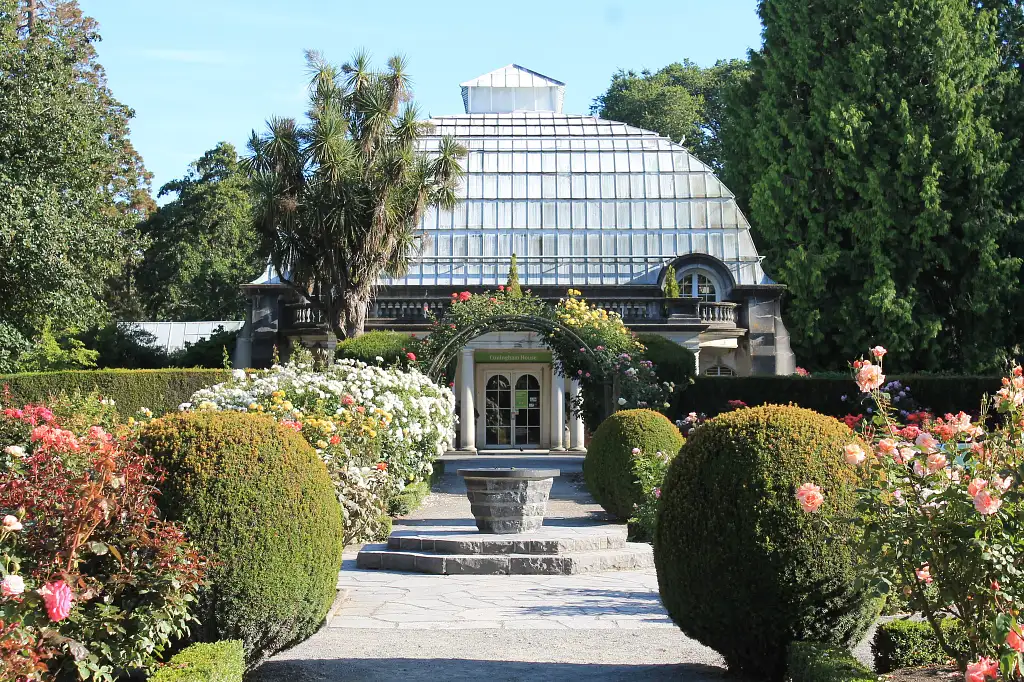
354,306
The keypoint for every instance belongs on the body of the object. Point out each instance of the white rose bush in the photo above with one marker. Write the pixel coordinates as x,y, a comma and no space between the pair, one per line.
377,428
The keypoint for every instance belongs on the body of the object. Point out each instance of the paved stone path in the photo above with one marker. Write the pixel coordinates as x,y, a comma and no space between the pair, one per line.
605,626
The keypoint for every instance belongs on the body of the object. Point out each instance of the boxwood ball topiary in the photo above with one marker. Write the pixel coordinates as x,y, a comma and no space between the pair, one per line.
256,498
741,567
608,467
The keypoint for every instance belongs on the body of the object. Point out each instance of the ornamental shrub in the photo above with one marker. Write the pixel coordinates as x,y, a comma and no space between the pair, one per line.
741,567
912,643
95,585
813,662
619,449
672,362
255,496
216,662
391,346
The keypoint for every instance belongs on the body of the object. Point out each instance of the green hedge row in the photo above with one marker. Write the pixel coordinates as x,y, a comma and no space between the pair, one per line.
161,390
912,643
812,662
941,394
217,662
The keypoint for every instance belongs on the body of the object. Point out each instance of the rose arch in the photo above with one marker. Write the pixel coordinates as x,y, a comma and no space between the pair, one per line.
441,358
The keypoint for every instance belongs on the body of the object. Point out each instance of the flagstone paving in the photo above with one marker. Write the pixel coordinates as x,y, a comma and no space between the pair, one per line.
410,626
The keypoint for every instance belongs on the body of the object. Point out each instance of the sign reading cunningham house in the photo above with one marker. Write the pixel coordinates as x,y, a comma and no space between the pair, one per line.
586,203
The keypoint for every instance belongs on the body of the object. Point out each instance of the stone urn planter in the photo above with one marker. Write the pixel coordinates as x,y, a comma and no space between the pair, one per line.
508,500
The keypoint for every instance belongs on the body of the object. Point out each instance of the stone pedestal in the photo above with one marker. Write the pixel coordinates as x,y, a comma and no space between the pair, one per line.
508,500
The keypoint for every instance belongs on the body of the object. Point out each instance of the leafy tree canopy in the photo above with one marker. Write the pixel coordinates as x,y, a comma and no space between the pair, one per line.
682,101
202,245
866,140
72,185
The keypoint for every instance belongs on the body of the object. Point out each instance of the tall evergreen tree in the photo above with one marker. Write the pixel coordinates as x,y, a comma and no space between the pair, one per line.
875,178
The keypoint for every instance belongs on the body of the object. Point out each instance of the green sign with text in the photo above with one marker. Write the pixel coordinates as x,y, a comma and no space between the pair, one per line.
515,356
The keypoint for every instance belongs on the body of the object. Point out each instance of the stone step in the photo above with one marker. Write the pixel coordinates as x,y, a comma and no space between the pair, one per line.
545,541
632,556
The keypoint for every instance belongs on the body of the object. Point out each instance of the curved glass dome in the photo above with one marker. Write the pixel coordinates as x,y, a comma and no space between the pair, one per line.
579,200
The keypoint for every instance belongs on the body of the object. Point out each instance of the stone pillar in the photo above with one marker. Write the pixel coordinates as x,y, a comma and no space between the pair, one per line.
243,342
557,411
466,388
575,421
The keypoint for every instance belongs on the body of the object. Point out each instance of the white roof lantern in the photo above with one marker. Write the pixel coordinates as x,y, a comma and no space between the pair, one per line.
512,88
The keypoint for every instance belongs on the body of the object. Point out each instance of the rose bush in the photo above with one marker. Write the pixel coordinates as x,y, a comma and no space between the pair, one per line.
376,428
944,515
95,586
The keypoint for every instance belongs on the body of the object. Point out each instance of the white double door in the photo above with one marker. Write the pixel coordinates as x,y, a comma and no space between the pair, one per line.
513,403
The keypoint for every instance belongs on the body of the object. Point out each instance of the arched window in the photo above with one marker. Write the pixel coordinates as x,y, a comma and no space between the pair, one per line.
720,371
699,283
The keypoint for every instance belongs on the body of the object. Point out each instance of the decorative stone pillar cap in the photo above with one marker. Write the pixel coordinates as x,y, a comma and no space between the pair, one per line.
524,474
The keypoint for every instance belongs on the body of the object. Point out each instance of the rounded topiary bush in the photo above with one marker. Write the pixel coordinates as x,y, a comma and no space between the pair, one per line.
254,497
741,567
609,468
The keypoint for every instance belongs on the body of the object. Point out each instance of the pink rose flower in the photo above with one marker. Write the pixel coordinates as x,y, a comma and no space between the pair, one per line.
904,455
878,352
982,669
636,451
887,446
1002,484
411,357
926,441
976,486
657,493
924,574
809,496
936,461
58,600
869,377
986,504
854,454
11,523
1015,641
12,586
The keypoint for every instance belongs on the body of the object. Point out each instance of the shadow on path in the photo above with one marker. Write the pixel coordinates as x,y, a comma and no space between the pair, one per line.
432,669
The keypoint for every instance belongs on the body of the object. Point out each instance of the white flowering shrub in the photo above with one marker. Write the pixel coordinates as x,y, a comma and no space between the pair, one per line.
358,417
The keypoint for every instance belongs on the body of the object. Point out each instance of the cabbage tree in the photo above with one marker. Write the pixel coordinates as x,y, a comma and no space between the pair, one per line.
339,197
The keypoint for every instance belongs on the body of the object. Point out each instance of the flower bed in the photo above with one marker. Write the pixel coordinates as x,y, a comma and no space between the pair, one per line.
378,429
95,585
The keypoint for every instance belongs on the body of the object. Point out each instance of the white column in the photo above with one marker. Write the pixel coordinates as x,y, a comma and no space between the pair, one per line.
575,421
557,411
466,388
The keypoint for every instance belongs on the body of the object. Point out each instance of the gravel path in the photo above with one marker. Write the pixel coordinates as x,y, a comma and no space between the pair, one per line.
603,626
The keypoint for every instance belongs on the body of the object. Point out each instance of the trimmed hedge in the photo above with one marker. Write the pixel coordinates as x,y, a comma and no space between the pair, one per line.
741,567
161,390
941,394
216,662
672,362
813,662
912,643
410,498
256,498
608,469
392,346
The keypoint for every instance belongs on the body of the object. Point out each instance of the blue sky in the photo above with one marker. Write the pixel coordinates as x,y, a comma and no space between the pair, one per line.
198,72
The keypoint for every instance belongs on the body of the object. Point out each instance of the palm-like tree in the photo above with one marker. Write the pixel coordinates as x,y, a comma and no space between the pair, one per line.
339,199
